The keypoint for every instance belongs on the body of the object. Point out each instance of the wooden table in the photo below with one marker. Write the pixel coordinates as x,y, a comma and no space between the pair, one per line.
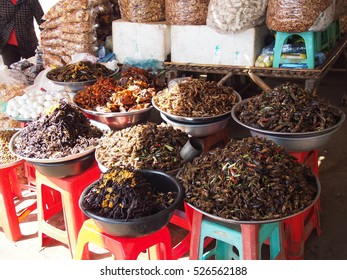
312,77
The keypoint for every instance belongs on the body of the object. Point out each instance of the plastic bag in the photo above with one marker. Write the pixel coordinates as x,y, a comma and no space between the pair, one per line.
12,83
300,15
80,37
230,16
142,10
186,12
340,8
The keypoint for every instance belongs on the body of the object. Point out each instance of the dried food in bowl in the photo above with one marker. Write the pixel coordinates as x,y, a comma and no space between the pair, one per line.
62,134
64,169
290,116
132,91
195,101
131,203
143,146
252,180
82,71
287,108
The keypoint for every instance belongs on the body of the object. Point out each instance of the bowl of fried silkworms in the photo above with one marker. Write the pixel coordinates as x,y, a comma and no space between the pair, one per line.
60,143
252,180
131,203
292,117
195,101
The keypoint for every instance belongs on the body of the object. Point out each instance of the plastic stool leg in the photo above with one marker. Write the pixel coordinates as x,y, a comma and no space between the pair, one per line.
8,216
250,241
195,236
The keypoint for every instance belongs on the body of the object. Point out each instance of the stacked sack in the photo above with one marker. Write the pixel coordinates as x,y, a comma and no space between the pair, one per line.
75,26
300,15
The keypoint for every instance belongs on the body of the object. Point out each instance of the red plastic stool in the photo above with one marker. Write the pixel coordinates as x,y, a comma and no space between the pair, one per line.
9,218
310,159
122,248
62,194
299,228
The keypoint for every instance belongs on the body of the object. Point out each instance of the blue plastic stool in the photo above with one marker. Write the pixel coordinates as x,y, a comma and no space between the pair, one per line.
230,241
310,45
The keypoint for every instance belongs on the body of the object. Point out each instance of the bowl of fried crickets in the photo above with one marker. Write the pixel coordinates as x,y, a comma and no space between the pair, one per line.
131,203
291,117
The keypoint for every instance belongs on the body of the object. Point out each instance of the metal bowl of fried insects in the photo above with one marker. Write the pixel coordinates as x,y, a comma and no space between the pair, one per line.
104,169
76,86
193,120
119,120
293,142
262,221
161,182
199,129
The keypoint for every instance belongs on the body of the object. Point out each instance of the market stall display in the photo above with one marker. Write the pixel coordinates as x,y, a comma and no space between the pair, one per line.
131,203
142,146
249,180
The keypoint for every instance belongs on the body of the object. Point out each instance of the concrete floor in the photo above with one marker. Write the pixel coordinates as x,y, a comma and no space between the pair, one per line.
330,245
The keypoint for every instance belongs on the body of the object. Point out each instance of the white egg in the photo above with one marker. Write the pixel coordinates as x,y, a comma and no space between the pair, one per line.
49,97
27,115
39,109
34,115
47,104
41,99
14,114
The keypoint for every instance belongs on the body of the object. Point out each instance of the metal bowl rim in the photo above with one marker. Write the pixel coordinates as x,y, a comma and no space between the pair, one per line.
288,134
195,125
114,114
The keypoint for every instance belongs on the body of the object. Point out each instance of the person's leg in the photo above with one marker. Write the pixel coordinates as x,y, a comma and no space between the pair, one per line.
10,55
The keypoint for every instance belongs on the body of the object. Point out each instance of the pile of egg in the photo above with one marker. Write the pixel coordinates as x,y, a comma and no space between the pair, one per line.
31,104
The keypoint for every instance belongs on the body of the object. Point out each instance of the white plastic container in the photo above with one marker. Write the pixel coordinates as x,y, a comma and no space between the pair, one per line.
140,40
201,44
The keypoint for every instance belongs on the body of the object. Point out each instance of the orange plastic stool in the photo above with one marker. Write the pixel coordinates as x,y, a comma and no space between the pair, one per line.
9,218
299,228
62,194
122,248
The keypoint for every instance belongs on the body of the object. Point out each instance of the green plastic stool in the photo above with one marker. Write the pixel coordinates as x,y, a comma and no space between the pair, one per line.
310,45
231,240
